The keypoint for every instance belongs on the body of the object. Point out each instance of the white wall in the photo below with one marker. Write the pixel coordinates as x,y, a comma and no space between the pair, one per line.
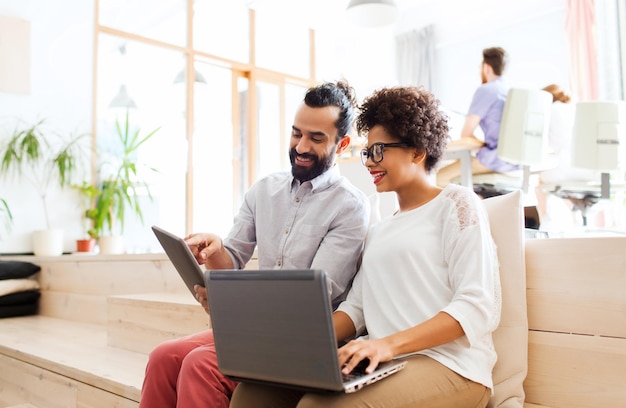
532,32
537,51
61,93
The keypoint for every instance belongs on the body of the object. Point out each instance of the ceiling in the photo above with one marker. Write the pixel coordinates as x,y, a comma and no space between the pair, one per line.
415,13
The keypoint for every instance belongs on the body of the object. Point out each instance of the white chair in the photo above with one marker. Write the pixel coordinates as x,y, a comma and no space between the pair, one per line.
523,135
599,144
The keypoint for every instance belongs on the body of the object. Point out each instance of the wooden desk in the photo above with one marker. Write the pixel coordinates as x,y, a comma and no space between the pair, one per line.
464,154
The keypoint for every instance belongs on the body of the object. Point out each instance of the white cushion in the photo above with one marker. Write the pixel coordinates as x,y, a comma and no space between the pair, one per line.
506,216
9,286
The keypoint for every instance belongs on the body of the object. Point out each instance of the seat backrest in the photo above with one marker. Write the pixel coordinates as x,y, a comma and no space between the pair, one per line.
524,126
511,337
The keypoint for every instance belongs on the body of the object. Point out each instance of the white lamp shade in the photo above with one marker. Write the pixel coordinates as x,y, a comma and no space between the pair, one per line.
524,126
122,99
599,134
372,13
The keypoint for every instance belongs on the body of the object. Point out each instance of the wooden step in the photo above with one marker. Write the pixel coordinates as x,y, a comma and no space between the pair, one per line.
25,405
140,322
50,362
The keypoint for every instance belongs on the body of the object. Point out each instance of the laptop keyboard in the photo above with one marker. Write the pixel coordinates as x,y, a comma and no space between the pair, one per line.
358,371
353,375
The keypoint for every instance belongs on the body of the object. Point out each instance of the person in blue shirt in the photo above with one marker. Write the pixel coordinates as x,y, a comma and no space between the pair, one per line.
485,111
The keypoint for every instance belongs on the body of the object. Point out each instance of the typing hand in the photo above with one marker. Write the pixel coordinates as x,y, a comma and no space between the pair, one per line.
364,353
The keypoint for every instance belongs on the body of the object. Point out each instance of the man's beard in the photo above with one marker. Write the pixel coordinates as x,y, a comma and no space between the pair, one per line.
320,165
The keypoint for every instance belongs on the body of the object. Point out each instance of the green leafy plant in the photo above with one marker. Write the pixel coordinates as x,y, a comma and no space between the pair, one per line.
6,218
43,157
87,193
119,183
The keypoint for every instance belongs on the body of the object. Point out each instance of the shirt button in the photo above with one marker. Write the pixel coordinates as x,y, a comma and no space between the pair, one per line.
279,263
297,199
286,231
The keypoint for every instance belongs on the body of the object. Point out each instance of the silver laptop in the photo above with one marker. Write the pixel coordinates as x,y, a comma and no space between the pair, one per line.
275,327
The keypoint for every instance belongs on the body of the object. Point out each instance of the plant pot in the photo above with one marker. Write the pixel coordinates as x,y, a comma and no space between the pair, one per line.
48,242
85,245
113,244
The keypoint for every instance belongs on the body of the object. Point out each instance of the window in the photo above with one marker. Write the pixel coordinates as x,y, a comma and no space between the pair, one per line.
221,124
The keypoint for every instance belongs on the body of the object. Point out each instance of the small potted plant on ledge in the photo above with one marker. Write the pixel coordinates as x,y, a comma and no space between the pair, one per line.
118,189
87,193
44,158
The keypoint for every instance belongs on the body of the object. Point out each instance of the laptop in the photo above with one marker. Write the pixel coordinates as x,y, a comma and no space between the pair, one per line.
275,327
181,257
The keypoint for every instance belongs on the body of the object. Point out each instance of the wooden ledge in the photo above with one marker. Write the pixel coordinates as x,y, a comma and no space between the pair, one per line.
77,351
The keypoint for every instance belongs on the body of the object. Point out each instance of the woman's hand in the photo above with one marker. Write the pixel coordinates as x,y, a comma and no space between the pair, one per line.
376,351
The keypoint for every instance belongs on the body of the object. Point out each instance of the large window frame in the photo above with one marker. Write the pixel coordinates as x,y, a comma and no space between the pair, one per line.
245,126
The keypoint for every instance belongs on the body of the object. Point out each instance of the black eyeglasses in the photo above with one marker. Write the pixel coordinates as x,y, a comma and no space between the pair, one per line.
375,151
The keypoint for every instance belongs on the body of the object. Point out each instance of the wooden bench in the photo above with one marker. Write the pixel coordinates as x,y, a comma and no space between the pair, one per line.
576,295
100,316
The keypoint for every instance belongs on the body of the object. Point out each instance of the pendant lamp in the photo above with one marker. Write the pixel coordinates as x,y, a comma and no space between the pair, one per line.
372,13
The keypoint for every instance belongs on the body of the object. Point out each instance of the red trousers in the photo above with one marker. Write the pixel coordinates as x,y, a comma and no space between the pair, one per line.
183,373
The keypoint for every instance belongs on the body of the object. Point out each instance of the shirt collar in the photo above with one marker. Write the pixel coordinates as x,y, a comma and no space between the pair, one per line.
322,181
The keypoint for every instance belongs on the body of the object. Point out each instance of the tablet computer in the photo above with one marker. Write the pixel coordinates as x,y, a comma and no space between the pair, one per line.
181,257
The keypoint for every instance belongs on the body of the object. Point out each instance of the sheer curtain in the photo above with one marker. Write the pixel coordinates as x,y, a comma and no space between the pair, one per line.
611,27
580,25
415,57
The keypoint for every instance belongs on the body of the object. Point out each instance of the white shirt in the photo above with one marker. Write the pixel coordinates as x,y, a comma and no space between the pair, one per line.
318,224
437,257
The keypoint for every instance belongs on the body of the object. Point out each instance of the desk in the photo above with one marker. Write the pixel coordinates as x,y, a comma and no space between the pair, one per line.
464,154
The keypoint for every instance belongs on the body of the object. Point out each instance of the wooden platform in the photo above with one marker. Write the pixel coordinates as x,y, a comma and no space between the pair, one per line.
51,362
140,322
89,345
100,316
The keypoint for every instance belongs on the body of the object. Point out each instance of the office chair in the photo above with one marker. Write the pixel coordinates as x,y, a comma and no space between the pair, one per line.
598,144
523,135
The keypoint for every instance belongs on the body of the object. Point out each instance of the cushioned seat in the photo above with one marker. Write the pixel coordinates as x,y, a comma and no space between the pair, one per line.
511,337
19,291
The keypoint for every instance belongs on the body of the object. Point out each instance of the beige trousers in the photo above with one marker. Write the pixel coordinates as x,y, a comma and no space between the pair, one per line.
422,383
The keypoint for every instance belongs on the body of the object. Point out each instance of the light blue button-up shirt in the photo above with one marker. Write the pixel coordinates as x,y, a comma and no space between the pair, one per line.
318,224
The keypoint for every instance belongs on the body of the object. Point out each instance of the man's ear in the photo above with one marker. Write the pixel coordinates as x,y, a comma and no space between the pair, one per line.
343,144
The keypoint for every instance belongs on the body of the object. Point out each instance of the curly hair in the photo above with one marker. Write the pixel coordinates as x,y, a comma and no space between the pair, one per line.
409,114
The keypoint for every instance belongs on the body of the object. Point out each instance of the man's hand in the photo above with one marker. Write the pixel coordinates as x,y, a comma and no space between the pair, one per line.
205,246
201,296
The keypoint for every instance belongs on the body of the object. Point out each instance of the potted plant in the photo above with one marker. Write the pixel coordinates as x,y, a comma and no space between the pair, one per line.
117,188
87,193
46,159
